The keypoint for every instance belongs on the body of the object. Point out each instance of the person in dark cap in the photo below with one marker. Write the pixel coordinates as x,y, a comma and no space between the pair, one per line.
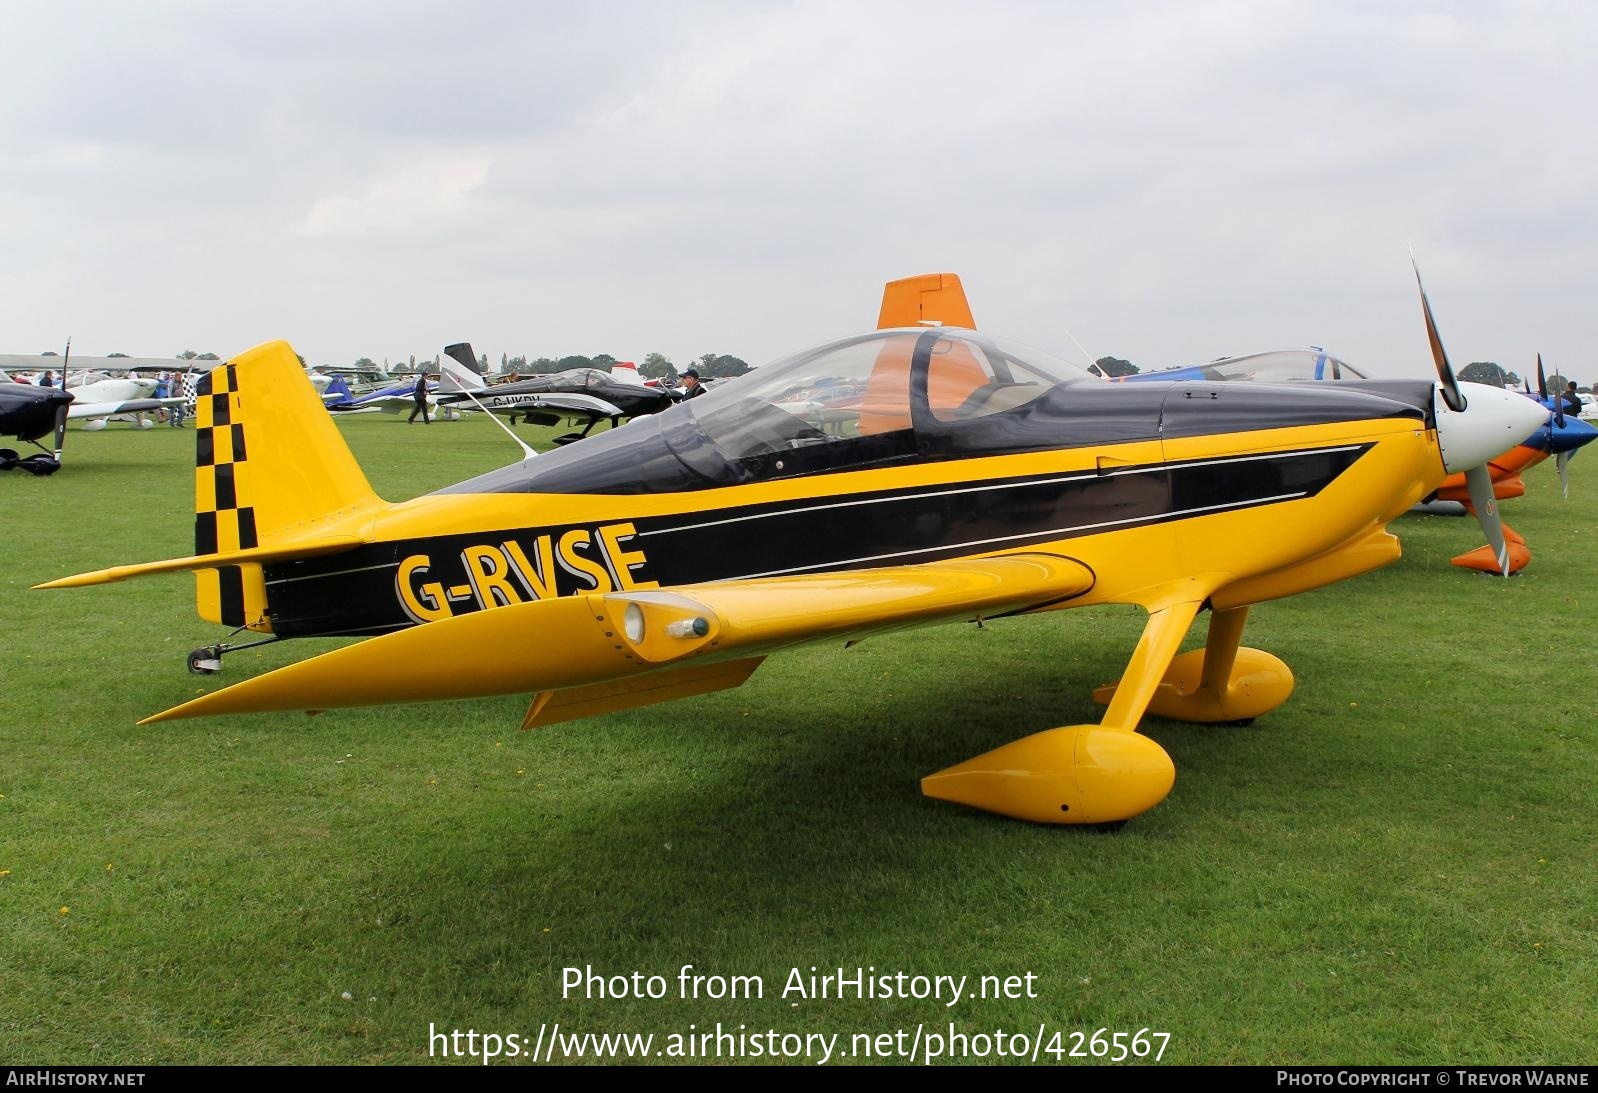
419,393
692,388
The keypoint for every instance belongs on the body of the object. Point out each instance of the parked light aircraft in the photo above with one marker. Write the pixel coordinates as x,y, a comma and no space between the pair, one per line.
99,384
344,385
979,480
589,395
29,412
390,398
126,398
1560,437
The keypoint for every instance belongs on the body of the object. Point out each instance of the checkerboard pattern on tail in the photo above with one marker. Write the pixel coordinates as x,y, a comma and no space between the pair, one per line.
233,595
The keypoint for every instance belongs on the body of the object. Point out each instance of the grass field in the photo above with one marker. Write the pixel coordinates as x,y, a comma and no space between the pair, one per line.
1397,866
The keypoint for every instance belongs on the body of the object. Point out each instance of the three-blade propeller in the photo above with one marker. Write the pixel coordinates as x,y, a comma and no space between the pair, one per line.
1562,460
1478,479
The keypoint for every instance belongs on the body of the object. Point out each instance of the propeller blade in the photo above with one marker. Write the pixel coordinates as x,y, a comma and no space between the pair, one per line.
1559,398
1542,378
1562,461
1479,480
61,414
1445,372
60,432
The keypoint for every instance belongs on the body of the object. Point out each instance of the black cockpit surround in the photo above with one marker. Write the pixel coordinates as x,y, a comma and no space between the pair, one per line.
807,415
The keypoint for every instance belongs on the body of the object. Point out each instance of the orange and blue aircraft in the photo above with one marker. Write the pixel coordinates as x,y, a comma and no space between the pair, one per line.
1560,436
975,479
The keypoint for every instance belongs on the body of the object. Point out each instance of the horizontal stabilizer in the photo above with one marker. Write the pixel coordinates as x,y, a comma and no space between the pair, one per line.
303,548
580,641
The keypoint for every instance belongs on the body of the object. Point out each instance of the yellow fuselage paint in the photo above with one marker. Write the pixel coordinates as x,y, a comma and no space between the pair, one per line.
1309,541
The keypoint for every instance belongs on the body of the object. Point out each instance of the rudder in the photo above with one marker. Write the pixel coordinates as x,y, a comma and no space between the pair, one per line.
269,464
928,298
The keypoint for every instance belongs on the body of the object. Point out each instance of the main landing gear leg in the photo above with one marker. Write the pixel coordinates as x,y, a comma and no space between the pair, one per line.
1222,683
1100,775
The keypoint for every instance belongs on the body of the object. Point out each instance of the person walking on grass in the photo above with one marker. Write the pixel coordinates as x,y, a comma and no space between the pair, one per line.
419,393
176,414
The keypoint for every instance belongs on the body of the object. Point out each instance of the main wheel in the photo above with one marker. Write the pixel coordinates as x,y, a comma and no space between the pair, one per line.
40,465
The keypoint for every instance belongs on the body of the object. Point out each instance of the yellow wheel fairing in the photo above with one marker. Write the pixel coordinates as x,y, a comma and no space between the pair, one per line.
1077,774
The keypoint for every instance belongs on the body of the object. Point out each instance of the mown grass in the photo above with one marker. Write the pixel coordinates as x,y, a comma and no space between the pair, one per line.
1396,866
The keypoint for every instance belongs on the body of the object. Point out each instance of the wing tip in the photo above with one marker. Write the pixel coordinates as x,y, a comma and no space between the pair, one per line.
80,580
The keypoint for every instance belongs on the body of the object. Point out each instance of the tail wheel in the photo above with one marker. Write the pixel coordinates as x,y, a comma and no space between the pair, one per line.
205,661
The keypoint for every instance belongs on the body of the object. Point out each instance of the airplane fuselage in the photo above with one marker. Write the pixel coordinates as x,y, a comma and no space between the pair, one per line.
28,412
632,399
1143,484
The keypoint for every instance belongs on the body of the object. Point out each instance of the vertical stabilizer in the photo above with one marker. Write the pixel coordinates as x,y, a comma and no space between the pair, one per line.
269,465
461,372
929,298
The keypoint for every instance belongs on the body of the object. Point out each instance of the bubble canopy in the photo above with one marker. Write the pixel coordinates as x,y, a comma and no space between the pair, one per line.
870,400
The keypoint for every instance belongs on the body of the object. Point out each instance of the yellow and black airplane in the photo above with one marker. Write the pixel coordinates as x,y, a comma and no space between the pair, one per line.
974,478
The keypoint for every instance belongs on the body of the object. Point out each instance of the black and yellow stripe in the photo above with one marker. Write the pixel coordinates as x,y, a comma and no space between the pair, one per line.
233,595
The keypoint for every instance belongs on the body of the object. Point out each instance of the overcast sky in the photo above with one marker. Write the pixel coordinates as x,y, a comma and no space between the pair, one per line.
1166,183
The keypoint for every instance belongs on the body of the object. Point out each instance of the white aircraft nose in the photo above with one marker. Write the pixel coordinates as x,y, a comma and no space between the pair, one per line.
1493,421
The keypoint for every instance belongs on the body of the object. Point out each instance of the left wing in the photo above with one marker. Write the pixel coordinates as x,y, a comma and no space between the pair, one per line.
605,651
127,406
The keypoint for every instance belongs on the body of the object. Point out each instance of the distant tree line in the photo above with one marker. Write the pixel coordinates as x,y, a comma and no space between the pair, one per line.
1489,372
654,365
186,355
1115,366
